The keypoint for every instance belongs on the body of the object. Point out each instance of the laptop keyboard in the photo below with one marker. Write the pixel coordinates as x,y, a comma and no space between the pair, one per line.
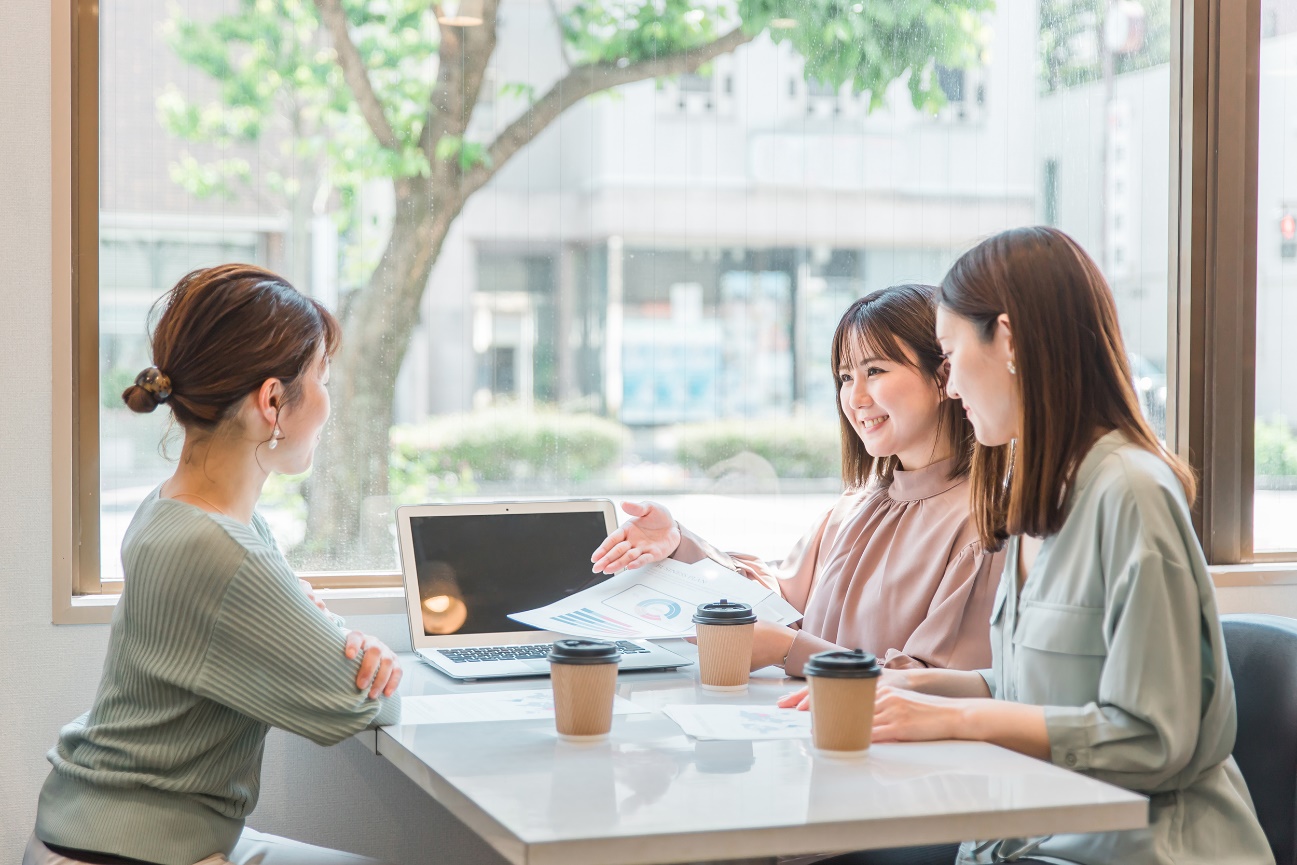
529,652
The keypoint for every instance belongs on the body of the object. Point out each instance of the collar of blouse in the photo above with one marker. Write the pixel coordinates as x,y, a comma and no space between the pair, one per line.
924,483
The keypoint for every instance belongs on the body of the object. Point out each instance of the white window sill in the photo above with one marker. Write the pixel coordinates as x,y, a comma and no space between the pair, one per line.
1281,577
1260,575
98,609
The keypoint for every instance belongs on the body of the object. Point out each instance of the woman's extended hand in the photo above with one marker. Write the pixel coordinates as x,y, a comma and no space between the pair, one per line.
380,672
908,716
650,535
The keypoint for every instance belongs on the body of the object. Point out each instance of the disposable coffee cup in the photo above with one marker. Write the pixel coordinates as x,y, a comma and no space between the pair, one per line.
842,685
584,676
724,644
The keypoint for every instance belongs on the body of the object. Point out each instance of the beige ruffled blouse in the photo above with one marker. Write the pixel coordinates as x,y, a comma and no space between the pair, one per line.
897,571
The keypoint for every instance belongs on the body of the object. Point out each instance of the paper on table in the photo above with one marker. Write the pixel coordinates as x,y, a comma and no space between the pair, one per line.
740,723
491,706
655,602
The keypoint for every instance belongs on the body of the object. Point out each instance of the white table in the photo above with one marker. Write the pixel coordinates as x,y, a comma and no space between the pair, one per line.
650,794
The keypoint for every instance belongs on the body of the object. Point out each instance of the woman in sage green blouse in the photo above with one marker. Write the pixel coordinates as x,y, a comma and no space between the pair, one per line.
1107,651
214,640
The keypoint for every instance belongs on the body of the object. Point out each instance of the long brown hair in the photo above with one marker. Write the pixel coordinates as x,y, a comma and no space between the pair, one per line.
223,331
900,324
1073,375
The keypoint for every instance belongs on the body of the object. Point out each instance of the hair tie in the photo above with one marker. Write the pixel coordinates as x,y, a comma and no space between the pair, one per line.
155,382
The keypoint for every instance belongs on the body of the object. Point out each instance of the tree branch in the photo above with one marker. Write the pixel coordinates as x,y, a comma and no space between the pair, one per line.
355,74
461,66
583,81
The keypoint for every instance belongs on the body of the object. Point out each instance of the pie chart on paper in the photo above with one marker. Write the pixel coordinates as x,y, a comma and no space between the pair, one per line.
657,609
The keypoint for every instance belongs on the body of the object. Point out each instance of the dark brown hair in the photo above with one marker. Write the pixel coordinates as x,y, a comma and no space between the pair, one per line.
898,323
223,331
1073,375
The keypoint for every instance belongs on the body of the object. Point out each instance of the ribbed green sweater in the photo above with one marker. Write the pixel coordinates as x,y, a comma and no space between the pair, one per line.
213,642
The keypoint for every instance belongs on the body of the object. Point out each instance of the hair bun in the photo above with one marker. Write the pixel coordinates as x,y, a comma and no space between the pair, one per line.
152,388
139,400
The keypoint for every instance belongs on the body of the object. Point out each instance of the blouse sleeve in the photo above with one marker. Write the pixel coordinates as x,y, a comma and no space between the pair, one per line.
988,676
955,634
1144,727
274,656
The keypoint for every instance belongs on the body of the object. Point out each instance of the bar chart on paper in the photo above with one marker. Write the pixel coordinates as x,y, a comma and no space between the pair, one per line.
588,619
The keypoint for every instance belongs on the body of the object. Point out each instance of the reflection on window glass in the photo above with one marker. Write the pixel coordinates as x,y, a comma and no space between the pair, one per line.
638,299
1275,505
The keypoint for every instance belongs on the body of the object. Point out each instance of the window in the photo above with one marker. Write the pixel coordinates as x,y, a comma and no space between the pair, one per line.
1050,192
635,302
1275,505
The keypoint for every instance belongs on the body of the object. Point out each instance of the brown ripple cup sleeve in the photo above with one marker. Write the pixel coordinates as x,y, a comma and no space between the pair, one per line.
583,674
725,630
843,685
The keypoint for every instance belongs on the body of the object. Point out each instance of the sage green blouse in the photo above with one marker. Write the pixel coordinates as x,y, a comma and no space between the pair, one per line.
1116,634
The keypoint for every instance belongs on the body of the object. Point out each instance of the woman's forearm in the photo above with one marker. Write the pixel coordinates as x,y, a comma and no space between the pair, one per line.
942,683
1017,726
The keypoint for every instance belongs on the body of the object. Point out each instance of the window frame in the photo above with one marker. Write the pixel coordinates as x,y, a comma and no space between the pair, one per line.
1214,106
79,594
1215,94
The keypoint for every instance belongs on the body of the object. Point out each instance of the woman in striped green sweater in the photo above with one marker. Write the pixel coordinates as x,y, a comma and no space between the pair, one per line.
214,639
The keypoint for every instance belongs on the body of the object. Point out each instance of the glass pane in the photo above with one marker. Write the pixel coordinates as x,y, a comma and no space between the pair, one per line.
638,301
1275,503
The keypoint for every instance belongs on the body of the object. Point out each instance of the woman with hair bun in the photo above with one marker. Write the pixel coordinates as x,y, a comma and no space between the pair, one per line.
214,639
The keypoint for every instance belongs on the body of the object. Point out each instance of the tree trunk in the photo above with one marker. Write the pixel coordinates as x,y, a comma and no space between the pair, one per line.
349,516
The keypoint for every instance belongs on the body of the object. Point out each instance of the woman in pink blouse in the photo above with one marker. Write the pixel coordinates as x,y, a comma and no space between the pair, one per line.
895,566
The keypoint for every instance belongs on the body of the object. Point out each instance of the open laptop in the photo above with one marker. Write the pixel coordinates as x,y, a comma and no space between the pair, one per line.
465,567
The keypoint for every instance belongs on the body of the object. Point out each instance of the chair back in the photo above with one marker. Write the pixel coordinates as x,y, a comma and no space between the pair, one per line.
1263,659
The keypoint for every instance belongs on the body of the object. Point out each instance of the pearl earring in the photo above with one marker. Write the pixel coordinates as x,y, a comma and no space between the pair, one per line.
275,436
1013,370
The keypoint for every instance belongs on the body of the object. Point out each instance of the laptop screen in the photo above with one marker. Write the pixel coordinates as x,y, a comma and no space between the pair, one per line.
475,569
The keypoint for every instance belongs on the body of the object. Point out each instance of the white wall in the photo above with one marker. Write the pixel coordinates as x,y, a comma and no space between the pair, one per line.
343,797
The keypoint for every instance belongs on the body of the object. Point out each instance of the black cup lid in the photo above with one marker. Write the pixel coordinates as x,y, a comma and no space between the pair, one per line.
576,651
843,664
724,612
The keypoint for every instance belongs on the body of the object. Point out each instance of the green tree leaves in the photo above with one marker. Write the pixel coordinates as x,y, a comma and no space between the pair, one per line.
470,154
278,84
865,44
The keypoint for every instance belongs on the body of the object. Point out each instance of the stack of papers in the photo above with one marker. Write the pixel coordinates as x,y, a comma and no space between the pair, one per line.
655,602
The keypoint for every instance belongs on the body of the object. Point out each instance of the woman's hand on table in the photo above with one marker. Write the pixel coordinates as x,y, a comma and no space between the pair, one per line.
650,535
380,671
801,698
770,643
911,716
901,715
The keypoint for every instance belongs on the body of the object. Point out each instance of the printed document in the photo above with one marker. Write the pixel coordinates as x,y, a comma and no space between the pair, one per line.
739,723
491,706
655,602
